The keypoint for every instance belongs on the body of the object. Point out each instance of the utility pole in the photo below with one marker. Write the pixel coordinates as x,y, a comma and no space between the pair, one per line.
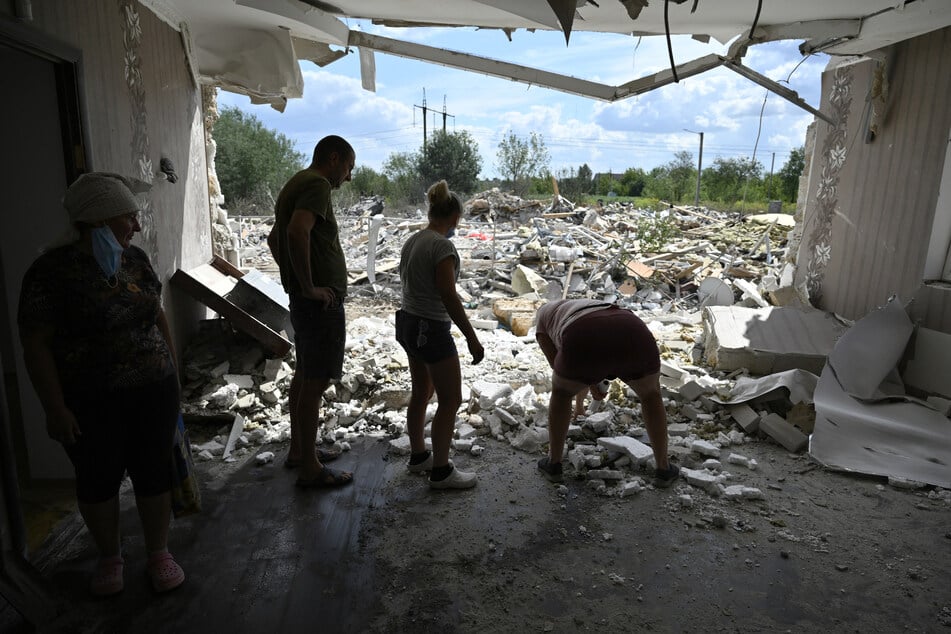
696,200
444,114
769,187
424,118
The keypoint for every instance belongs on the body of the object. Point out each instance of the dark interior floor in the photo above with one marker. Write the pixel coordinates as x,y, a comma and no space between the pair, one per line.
269,557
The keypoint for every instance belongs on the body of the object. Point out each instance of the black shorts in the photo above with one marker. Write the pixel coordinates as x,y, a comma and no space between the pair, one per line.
427,340
607,344
320,336
130,429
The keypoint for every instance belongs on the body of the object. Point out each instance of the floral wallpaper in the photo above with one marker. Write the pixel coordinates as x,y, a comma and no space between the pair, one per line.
827,199
142,163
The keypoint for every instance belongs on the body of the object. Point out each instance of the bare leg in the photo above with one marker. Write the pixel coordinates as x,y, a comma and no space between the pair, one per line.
559,414
294,452
155,513
418,400
579,404
447,381
102,520
655,416
305,410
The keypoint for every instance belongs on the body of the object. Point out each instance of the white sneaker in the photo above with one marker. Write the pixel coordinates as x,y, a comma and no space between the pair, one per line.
455,480
425,465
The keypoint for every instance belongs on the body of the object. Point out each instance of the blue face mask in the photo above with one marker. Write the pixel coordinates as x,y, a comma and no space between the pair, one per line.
107,250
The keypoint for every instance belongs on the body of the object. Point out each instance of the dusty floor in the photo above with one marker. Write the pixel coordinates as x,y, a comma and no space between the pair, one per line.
517,555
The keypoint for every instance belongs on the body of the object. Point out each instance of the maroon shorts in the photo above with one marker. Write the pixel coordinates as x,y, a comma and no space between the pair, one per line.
607,344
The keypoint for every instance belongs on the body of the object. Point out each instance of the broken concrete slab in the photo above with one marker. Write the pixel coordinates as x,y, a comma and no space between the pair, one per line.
635,449
776,427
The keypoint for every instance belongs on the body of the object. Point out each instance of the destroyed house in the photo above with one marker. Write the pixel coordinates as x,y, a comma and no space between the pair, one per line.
125,86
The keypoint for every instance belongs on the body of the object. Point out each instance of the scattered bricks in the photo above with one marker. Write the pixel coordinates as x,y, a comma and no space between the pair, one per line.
705,448
691,391
746,417
802,416
631,488
638,451
243,381
576,459
709,404
605,474
463,444
702,480
749,463
776,427
575,431
736,437
264,457
272,368
599,422
593,461
400,446
465,431
484,324
712,465
678,429
673,371
506,417
690,412
740,492
723,440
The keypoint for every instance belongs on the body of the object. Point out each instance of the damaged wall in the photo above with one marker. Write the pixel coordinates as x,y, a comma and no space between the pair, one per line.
141,104
871,204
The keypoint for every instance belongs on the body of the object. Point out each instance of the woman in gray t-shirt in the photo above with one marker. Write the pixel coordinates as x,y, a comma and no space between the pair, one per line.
429,267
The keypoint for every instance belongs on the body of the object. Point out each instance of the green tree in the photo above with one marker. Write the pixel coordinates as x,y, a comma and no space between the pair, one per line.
682,175
518,160
633,181
453,156
252,161
405,185
658,183
790,173
367,182
726,179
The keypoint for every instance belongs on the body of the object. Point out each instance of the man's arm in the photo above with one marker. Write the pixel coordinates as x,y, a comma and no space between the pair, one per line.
298,248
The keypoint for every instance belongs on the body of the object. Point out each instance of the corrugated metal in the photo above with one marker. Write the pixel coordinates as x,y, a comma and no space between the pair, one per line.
887,189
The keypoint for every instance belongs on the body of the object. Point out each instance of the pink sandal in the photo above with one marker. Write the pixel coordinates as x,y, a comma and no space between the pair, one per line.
165,573
107,579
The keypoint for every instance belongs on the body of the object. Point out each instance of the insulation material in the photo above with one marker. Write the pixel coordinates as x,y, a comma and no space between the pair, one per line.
259,64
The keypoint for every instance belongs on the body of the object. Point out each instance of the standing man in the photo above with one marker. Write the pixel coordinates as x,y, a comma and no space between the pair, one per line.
305,243
586,341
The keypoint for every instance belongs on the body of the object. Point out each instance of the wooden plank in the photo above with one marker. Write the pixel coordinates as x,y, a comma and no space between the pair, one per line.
197,286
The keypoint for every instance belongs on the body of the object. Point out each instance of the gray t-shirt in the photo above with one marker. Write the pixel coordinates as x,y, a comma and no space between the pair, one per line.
421,253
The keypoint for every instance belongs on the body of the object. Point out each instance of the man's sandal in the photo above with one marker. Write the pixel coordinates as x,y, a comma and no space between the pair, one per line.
322,455
551,471
327,477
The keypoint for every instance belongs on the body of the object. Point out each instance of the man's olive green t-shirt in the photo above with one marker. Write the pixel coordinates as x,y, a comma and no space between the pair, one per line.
328,267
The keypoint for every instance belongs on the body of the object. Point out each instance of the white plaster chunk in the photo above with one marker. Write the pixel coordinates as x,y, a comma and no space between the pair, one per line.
477,450
705,448
678,429
273,368
638,451
224,397
505,417
702,479
599,422
213,447
490,393
576,458
466,431
711,464
463,444
400,446
685,501
264,457
243,381
205,455
749,463
631,488
605,474
575,431
526,439
593,461
740,492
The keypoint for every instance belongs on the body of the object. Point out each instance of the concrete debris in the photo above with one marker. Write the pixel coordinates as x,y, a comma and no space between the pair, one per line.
517,254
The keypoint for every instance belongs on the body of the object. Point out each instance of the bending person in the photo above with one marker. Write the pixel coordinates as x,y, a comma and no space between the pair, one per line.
586,341
429,268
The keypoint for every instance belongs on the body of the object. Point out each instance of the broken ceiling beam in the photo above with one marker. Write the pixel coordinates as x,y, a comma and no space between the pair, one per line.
665,77
789,95
488,66
325,27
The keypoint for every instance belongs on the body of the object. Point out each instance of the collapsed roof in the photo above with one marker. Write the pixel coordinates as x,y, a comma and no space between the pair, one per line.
253,46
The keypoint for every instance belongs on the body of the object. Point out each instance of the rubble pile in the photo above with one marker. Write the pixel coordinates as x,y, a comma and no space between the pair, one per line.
517,254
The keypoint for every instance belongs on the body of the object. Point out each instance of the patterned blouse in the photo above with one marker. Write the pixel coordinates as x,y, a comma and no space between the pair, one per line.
106,333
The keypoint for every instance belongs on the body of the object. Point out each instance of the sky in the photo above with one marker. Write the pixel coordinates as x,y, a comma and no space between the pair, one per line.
642,131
